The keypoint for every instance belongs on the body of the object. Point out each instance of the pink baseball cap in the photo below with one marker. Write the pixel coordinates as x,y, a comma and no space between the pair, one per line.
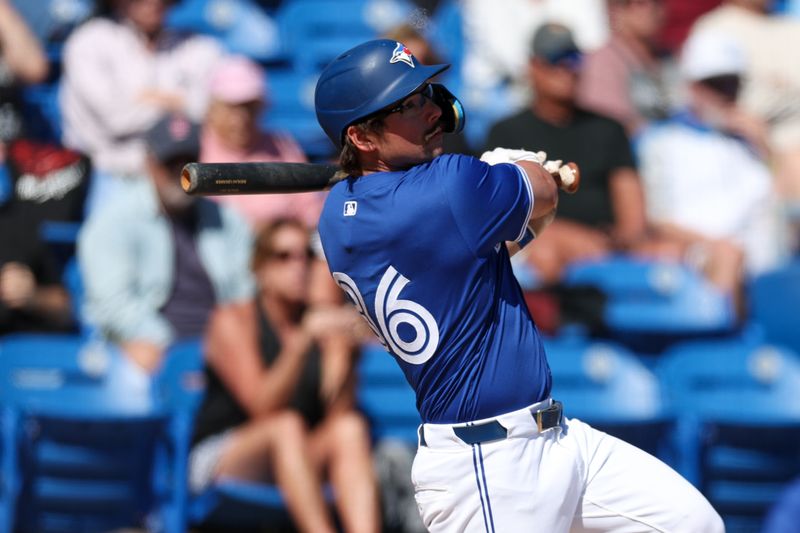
236,80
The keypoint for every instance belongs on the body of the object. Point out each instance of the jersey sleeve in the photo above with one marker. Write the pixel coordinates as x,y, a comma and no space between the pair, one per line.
490,204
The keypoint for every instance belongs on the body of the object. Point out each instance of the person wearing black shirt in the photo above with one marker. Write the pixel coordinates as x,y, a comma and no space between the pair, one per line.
289,407
608,215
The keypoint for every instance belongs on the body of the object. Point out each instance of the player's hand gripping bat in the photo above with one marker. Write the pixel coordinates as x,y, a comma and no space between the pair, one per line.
265,178
568,176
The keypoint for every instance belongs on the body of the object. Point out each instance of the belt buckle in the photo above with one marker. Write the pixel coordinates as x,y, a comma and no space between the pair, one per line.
538,417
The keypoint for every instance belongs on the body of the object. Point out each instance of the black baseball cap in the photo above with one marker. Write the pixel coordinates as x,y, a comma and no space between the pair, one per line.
554,44
173,137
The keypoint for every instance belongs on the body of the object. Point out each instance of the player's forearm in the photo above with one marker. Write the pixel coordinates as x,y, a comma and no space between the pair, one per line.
535,228
545,189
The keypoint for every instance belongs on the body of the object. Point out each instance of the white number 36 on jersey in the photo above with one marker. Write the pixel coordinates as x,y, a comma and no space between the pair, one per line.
391,312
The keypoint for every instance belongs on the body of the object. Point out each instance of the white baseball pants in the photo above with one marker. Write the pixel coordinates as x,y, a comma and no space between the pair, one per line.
573,478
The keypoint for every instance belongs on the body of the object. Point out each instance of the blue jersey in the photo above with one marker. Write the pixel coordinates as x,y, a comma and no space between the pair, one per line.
421,255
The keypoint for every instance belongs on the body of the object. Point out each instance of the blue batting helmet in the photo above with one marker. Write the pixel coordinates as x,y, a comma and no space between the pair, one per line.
365,79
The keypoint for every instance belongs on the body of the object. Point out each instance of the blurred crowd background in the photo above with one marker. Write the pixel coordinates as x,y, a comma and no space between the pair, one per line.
667,287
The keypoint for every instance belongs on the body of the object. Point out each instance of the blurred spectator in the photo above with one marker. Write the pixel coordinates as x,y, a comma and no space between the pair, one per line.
231,134
680,16
628,78
608,213
38,183
771,88
706,183
497,36
158,262
267,412
45,183
122,71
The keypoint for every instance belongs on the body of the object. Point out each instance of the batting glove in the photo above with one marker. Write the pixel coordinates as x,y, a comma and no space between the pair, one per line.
507,155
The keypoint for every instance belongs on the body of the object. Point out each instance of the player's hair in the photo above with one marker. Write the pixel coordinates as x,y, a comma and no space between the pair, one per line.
348,157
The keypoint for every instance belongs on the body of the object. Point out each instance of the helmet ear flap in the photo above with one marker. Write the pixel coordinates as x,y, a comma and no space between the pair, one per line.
453,117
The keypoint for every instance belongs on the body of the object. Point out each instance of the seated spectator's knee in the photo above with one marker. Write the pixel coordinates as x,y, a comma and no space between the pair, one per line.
728,252
289,425
349,427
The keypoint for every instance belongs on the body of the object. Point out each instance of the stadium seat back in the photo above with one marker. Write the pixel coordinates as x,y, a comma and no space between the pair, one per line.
607,386
651,304
773,298
385,396
740,422
241,26
84,448
314,32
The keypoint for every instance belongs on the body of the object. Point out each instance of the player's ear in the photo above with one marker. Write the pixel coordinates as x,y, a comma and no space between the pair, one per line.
361,138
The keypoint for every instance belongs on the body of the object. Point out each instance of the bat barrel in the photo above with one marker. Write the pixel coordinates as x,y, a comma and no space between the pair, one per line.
256,178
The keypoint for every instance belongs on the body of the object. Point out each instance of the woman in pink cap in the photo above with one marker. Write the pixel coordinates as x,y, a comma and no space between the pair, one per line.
231,134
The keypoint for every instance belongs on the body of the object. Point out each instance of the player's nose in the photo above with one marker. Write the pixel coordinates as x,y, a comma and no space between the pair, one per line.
432,111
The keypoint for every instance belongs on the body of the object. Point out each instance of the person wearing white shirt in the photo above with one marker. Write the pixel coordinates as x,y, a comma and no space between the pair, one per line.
122,72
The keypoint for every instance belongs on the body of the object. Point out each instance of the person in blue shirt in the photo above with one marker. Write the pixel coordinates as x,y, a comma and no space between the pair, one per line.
417,240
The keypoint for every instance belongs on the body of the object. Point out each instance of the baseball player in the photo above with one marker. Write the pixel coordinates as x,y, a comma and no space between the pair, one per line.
416,239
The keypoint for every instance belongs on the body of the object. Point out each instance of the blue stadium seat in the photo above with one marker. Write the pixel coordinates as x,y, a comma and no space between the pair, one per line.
607,386
242,26
652,303
773,298
82,451
291,96
316,31
386,397
73,283
232,503
740,421
42,111
784,515
446,33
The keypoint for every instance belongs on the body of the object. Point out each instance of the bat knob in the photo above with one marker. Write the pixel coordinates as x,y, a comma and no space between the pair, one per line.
189,178
569,178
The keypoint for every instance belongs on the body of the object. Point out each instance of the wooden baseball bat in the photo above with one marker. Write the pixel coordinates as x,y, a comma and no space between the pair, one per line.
276,178
257,178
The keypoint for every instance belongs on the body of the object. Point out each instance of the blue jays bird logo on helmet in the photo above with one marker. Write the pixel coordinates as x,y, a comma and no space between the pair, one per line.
402,53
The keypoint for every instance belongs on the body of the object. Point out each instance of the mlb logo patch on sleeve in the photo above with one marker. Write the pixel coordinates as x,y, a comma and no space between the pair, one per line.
350,208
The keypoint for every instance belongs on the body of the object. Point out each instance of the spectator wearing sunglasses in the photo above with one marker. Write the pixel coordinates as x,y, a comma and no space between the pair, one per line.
291,402
704,174
608,214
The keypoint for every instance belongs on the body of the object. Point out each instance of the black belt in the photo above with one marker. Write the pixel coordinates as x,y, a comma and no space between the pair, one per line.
494,430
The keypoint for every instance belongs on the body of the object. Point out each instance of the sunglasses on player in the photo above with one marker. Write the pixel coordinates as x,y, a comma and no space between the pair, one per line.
415,101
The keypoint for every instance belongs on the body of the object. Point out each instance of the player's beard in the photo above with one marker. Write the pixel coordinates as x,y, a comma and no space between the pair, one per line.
433,141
